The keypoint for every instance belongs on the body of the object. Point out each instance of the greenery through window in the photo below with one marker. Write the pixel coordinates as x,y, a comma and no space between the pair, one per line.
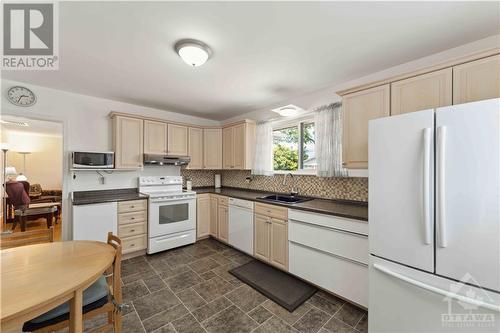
293,147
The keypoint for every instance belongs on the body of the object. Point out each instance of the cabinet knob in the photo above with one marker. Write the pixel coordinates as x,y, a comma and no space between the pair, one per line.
132,230
132,244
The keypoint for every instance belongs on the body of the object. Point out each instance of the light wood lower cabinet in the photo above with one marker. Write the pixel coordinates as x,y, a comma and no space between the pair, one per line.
271,235
359,108
213,216
476,80
223,222
133,226
202,216
428,91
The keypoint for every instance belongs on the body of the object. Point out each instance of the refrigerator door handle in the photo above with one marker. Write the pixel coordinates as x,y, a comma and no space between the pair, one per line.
441,209
426,185
438,291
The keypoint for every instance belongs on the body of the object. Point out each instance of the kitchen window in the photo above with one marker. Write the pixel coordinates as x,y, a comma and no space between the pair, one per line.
294,148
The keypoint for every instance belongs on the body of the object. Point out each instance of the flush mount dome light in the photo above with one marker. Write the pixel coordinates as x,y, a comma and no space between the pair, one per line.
193,52
288,110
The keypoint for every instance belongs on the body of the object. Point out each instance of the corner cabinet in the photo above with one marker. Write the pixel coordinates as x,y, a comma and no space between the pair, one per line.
212,148
238,146
128,142
359,108
195,148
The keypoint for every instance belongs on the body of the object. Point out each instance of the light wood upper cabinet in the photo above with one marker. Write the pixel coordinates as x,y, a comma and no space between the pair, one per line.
177,140
128,142
195,150
422,92
239,146
238,143
223,223
202,216
227,148
262,232
359,108
279,244
213,216
212,148
476,80
155,137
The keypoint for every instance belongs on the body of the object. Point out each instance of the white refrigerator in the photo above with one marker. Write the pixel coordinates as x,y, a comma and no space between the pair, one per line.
434,220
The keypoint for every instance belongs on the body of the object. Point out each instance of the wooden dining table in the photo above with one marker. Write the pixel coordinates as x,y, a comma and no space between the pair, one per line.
37,278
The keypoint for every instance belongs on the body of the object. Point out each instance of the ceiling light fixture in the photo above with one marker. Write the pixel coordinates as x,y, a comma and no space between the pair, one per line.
193,52
288,110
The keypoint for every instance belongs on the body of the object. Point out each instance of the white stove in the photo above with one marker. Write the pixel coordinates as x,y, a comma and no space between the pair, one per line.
172,213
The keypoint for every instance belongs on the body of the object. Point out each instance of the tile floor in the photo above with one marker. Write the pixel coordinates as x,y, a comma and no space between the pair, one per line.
190,290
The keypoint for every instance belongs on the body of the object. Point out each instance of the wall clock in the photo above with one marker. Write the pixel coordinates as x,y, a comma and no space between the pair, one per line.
21,96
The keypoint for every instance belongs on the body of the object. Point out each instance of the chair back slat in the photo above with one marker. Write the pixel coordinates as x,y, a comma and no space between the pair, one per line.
26,238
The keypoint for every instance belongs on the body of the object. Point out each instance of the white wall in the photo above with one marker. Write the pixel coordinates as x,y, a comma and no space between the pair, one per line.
328,94
43,164
86,126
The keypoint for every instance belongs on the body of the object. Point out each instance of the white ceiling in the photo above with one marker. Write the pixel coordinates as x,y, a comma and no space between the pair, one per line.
264,52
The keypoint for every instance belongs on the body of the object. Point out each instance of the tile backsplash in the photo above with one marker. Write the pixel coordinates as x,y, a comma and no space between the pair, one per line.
351,188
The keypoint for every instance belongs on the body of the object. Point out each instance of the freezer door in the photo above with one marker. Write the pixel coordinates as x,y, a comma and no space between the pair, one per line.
401,190
468,192
403,299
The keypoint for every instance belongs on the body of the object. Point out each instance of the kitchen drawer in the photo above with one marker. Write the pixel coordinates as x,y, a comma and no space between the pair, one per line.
330,221
223,200
132,229
134,243
132,206
133,217
272,211
341,243
343,277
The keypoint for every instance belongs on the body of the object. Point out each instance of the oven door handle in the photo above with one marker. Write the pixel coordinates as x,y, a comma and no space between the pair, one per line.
171,200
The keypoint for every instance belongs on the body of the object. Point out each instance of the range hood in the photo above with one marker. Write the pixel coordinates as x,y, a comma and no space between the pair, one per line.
150,159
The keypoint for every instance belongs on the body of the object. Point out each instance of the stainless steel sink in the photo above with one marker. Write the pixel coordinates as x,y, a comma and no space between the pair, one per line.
283,198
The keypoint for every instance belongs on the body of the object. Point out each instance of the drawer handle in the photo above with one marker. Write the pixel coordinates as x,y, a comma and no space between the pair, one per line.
269,211
132,230
132,206
132,218
132,244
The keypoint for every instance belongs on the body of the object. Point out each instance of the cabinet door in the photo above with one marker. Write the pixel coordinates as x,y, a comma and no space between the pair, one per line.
239,146
202,216
228,148
359,108
279,244
476,80
422,92
195,148
128,142
177,140
223,223
155,137
212,148
213,217
262,237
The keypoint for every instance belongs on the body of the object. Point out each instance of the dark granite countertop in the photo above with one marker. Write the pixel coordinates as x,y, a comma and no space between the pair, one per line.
357,210
101,196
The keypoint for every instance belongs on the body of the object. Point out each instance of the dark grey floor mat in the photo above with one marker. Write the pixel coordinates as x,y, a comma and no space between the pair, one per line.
282,288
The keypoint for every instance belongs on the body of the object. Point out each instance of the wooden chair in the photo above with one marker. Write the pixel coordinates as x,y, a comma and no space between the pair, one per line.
111,304
15,239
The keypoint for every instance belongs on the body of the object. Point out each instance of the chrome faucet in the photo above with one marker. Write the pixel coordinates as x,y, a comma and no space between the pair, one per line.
294,190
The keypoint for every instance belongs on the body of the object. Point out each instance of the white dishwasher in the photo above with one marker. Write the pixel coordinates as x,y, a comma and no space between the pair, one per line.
241,225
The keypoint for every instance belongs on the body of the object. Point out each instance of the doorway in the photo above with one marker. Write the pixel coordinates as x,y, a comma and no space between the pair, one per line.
32,154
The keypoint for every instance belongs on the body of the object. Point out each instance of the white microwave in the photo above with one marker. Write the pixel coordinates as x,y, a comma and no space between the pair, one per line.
93,160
